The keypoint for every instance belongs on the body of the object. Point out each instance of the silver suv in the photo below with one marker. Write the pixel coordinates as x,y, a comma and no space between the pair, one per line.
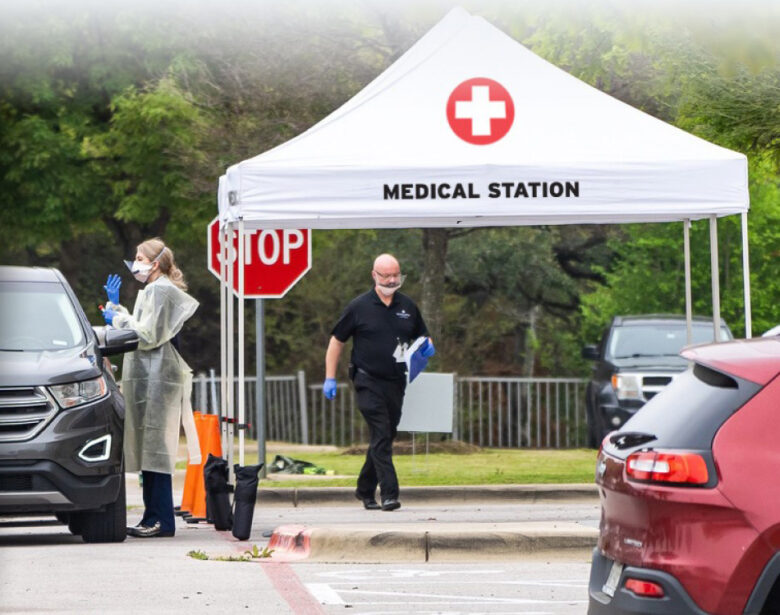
61,413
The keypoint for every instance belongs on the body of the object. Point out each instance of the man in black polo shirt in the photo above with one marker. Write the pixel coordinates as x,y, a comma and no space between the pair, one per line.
383,323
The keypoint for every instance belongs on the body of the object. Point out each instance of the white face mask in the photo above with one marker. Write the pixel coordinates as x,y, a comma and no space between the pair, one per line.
390,286
142,271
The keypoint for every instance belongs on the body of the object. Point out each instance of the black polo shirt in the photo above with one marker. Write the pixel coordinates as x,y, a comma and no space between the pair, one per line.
377,330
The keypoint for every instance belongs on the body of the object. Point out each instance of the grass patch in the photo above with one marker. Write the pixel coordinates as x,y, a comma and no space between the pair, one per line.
447,463
487,467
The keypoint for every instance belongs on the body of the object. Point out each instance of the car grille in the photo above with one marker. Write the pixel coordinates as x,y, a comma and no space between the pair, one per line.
24,412
16,482
653,384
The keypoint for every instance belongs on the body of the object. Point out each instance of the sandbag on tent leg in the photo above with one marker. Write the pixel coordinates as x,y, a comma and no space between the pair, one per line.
215,477
244,499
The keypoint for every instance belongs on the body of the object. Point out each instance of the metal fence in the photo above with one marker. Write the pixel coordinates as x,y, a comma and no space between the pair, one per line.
285,403
520,412
489,412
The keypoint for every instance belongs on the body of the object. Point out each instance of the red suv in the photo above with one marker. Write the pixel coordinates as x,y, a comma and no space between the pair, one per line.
690,492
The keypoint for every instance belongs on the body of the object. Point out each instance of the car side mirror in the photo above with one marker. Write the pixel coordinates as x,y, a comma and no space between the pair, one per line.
590,352
116,341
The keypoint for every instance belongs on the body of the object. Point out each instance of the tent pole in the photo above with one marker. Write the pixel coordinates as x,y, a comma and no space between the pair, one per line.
223,290
688,294
240,341
230,354
715,276
746,276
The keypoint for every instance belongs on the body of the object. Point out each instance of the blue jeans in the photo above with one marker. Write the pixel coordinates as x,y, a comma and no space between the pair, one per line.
158,500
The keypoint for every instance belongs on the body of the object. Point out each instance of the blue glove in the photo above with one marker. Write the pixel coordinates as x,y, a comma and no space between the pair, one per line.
108,315
427,350
113,283
329,388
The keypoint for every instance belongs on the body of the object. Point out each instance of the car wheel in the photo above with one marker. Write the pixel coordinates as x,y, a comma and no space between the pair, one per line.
74,524
109,525
593,441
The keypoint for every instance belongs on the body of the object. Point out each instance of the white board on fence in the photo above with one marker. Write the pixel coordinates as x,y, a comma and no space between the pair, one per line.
428,404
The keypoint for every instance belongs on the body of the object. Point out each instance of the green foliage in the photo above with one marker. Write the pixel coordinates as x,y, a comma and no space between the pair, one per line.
115,123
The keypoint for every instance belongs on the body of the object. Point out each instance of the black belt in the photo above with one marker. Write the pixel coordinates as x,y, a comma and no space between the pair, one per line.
360,370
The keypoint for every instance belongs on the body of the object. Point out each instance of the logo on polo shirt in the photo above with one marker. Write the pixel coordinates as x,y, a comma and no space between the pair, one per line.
403,314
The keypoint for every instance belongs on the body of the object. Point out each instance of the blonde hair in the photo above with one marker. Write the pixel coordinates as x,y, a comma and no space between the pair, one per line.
156,249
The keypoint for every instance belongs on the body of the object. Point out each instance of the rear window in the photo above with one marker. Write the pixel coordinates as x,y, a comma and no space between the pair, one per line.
657,340
688,412
37,316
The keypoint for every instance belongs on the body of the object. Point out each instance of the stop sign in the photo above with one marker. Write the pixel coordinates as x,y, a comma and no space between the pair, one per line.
274,259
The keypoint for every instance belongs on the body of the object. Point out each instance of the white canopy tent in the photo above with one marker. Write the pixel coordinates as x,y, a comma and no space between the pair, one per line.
390,157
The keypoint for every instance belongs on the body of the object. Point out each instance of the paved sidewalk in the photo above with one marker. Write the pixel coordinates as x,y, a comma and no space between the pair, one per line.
434,524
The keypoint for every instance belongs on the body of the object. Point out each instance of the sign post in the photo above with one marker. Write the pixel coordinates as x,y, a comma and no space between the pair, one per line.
273,260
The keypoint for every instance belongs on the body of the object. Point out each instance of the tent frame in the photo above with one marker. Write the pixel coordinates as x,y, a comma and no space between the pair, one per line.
229,335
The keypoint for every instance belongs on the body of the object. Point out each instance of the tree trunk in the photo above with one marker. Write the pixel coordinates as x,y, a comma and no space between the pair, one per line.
530,343
434,259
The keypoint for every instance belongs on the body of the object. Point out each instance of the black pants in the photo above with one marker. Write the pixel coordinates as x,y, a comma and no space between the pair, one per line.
380,404
158,500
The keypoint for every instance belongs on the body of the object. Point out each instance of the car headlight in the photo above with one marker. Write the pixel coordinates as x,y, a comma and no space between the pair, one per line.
627,386
78,393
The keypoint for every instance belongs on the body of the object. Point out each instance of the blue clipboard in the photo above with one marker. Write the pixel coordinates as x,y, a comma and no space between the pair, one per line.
417,363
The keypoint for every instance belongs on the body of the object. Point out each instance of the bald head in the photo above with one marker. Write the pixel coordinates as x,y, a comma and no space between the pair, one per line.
386,261
387,276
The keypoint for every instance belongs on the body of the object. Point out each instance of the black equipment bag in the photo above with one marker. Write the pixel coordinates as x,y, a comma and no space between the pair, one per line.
244,499
215,477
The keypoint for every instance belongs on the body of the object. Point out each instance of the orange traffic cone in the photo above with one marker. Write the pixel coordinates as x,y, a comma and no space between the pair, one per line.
194,471
210,442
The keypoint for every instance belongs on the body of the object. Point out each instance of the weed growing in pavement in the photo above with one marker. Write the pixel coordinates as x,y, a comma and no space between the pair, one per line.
246,556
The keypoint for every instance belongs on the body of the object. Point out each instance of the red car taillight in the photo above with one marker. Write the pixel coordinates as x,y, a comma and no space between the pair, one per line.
646,589
667,467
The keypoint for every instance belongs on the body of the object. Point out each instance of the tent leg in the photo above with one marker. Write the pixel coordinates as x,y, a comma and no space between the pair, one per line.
715,277
231,385
240,342
746,276
223,297
688,294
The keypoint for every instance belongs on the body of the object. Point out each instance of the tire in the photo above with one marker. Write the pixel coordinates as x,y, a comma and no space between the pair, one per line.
109,525
593,439
75,523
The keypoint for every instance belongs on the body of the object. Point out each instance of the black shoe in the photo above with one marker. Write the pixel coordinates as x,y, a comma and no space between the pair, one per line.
148,531
390,504
368,503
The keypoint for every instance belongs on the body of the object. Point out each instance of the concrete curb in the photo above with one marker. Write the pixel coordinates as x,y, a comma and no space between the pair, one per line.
424,543
318,496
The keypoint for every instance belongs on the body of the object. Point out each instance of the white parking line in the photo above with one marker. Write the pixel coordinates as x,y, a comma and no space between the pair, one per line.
324,593
450,599
373,575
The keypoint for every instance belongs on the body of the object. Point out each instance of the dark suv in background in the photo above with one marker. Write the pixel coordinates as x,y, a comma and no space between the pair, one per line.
637,357
61,414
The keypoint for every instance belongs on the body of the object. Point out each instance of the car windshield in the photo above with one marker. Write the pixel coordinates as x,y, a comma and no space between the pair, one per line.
37,316
654,340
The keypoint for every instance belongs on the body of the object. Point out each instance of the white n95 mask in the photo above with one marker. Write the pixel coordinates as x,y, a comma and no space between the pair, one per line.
141,271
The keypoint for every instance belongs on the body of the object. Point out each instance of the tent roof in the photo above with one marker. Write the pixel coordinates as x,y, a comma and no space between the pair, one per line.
610,162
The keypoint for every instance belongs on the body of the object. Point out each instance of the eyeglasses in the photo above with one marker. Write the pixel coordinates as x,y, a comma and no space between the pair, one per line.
387,276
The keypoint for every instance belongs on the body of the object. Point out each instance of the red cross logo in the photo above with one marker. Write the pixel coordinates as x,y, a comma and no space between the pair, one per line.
480,111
